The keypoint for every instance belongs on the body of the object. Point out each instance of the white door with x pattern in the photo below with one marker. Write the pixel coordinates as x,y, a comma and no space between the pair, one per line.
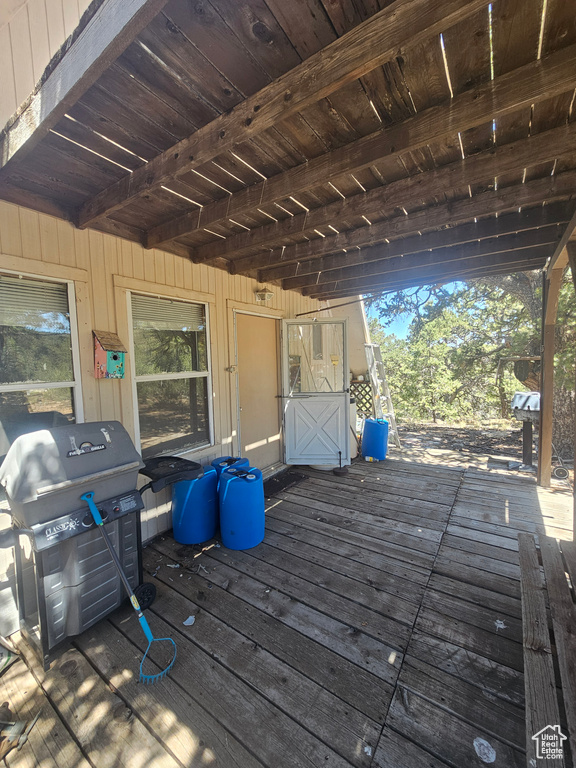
315,392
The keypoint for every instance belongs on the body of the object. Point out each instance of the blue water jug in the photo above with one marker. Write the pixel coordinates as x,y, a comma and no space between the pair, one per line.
241,495
229,461
195,508
375,439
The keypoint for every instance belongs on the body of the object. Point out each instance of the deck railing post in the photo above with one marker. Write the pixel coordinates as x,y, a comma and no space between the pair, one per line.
550,293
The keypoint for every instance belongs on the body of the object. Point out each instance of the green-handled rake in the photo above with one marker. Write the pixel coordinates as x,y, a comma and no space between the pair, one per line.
89,499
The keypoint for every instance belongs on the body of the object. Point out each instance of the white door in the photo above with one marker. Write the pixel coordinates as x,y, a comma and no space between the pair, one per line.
315,392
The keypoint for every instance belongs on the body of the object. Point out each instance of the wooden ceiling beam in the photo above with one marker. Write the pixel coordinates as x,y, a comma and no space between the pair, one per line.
421,259
507,224
464,276
105,36
511,261
507,199
366,47
521,87
408,192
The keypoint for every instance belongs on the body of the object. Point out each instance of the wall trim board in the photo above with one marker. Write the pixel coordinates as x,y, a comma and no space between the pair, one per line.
162,291
32,268
254,309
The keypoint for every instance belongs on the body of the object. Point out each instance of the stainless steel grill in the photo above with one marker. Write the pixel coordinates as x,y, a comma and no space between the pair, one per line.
526,406
66,578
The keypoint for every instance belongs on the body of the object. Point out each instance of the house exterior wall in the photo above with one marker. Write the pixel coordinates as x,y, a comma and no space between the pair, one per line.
31,32
104,269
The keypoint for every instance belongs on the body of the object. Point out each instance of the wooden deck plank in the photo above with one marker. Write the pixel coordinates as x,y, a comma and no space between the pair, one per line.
397,751
495,680
374,564
379,501
264,730
97,715
479,595
376,510
358,688
563,610
540,686
343,638
487,515
495,539
495,582
366,523
491,715
359,618
178,719
387,481
338,530
402,466
330,719
479,547
351,569
49,744
487,619
483,642
385,601
488,564
381,504
447,737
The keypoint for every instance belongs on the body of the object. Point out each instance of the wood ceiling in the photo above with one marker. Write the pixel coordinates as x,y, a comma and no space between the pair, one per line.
334,147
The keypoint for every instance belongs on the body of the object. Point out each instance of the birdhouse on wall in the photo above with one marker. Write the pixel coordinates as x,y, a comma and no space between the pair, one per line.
108,355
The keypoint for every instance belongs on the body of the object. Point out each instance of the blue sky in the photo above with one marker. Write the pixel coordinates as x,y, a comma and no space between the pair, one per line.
400,326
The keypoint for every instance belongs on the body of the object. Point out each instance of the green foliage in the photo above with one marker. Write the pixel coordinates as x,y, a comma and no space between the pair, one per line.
447,366
34,355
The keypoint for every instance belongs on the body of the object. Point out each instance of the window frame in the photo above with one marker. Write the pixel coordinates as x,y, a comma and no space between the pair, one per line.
171,376
76,384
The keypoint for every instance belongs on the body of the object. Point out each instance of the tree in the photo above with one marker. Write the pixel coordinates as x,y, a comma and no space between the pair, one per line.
457,335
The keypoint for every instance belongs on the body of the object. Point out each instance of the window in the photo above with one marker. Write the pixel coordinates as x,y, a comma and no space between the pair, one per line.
37,383
171,373
317,342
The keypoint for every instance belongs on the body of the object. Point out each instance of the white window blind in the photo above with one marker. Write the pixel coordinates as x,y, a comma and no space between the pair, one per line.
167,315
25,302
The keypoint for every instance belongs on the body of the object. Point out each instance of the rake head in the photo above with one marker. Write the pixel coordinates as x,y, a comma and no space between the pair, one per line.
151,679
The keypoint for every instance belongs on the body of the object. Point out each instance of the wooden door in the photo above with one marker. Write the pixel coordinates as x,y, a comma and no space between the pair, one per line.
258,387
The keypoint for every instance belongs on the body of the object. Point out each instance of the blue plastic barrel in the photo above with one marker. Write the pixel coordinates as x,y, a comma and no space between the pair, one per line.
375,439
241,495
229,461
195,508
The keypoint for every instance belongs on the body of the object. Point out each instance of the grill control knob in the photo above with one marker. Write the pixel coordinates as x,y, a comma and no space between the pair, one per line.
103,514
116,510
87,521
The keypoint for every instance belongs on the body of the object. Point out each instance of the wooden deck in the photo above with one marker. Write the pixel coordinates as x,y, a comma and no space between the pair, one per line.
378,626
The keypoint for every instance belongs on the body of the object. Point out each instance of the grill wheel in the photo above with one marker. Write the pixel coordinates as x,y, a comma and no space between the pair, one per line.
146,594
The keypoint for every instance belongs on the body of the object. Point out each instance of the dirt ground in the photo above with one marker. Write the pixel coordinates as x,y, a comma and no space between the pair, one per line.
495,442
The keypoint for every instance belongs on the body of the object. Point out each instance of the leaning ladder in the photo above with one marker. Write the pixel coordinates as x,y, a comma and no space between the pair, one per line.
383,408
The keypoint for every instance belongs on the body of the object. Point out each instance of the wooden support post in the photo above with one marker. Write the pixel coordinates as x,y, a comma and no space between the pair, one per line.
527,443
571,249
551,290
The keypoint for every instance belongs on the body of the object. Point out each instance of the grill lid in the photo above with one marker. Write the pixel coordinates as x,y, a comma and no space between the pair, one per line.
526,401
51,460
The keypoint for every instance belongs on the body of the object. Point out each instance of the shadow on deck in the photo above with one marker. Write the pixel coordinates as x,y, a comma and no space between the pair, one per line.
379,625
